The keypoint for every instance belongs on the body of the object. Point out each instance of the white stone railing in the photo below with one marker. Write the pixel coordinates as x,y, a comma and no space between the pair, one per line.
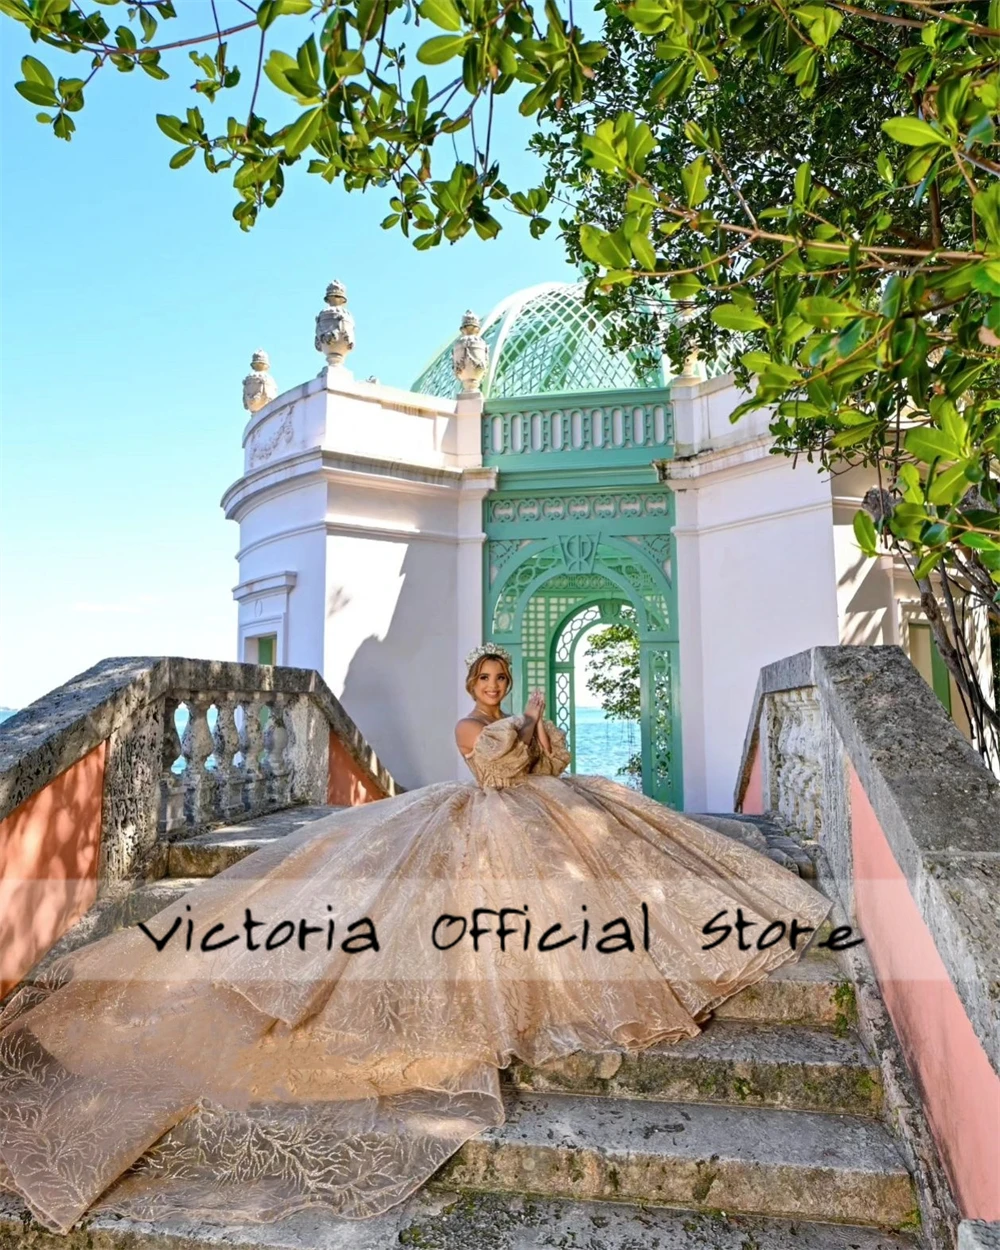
242,766
257,739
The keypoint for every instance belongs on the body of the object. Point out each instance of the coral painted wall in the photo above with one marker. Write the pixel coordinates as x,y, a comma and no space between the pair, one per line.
347,785
49,853
960,1090
753,795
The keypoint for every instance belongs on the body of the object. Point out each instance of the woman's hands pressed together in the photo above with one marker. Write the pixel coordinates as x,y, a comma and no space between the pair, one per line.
533,722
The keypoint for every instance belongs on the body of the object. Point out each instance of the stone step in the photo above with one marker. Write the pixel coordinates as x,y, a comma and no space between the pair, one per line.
763,834
811,991
746,1160
207,853
450,1221
758,1065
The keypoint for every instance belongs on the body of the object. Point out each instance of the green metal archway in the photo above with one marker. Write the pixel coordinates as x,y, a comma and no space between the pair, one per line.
580,520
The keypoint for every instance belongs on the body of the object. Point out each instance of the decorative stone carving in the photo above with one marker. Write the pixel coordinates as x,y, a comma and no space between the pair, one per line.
470,356
794,771
335,327
686,311
578,507
259,388
262,448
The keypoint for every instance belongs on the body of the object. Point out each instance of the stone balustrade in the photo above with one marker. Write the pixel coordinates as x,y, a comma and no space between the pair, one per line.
243,765
101,774
855,752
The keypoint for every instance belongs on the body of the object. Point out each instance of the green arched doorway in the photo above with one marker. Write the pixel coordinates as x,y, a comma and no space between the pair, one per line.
563,694
545,586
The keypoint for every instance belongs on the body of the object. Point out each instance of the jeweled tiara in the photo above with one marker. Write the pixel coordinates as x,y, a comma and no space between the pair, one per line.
488,648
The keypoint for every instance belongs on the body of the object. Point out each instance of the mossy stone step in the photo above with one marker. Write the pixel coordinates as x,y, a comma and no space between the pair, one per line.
746,1160
730,1062
449,1221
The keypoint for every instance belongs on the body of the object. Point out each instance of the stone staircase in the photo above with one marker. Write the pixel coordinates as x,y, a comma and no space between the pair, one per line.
763,1132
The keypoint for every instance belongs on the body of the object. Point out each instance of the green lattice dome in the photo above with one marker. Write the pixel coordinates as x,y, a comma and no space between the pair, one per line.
544,341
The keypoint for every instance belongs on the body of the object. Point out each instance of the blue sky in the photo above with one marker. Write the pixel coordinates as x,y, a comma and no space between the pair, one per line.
131,302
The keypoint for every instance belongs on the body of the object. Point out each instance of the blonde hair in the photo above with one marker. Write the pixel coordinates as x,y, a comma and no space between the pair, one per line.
474,671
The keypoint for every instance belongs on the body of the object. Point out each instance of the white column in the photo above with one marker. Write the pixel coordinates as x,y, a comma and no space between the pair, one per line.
476,484
687,574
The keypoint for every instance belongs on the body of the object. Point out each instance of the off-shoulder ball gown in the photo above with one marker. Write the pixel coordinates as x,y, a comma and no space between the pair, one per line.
323,1023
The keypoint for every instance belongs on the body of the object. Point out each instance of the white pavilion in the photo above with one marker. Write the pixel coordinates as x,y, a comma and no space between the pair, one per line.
531,484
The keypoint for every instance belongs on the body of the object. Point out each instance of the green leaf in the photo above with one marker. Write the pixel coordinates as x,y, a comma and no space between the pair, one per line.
271,9
174,128
780,375
756,362
37,93
182,156
302,132
925,565
913,132
986,277
948,487
695,179
601,152
864,532
34,71
441,48
803,183
822,311
854,435
928,445
686,286
909,479
642,250
605,249
730,317
63,126
980,542
276,66
443,13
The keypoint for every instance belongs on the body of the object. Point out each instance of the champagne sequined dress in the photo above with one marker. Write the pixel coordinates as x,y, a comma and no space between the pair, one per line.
336,1029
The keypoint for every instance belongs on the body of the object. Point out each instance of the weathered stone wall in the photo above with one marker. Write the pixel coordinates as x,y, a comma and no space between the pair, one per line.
853,747
127,706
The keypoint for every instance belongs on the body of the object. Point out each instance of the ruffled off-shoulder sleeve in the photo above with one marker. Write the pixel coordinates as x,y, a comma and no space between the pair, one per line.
499,755
551,763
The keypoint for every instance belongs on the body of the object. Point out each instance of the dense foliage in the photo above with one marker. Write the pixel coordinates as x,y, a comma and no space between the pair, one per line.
818,189
817,184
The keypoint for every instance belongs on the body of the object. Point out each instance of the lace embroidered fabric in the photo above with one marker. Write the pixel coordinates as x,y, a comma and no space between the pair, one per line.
247,1084
501,759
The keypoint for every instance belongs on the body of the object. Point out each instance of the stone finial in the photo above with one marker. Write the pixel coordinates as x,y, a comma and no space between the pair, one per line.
259,388
686,311
470,356
335,326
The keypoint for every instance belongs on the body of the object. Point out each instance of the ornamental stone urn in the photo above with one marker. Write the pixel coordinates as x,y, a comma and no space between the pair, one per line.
335,327
259,388
470,356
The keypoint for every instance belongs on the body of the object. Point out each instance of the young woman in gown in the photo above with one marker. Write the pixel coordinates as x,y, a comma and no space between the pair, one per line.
323,1023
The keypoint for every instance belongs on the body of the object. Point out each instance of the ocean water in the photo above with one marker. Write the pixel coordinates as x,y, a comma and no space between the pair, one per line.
602,746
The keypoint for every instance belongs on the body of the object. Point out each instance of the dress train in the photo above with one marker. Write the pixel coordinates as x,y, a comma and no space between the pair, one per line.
323,1028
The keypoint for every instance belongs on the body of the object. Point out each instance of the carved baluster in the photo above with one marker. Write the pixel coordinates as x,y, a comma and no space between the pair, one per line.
252,746
171,814
196,745
276,761
229,776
